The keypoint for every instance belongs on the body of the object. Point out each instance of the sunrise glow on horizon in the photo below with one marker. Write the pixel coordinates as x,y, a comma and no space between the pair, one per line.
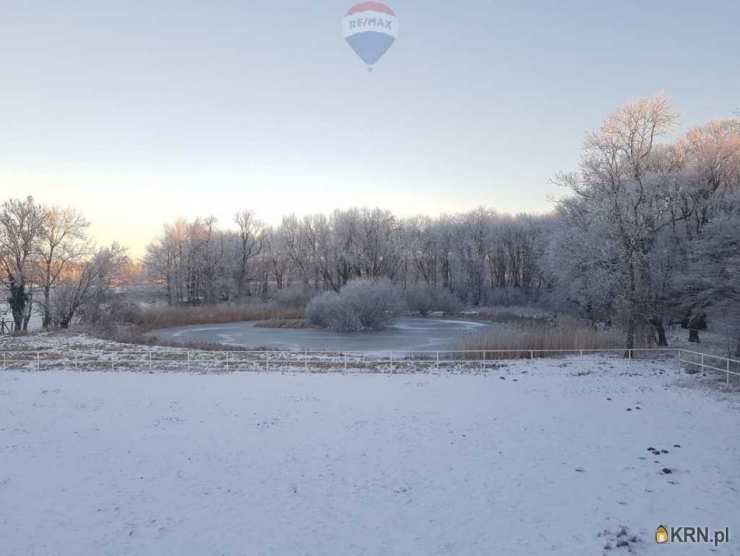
140,118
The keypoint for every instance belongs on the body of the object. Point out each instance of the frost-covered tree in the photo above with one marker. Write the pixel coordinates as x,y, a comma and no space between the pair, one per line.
87,287
471,238
422,245
583,264
276,254
62,242
468,254
167,260
622,200
712,283
196,261
251,242
21,225
711,180
637,214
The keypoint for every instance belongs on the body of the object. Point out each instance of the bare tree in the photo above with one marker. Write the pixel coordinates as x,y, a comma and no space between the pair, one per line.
62,242
277,256
251,239
87,287
21,224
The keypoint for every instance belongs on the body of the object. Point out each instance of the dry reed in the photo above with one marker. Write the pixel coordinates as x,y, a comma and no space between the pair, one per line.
565,337
167,317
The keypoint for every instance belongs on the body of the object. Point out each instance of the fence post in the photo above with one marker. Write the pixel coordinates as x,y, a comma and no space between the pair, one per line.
702,362
678,359
391,362
150,360
188,361
345,362
38,361
227,361
267,362
305,361
728,372
531,354
437,364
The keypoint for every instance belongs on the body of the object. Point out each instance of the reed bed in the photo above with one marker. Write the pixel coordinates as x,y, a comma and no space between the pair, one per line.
167,317
566,337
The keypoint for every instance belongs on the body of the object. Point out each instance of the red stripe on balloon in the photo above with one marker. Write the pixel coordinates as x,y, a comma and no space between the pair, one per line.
371,7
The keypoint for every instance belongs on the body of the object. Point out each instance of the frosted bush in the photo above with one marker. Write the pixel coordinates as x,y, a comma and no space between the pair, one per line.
320,308
328,310
361,304
374,303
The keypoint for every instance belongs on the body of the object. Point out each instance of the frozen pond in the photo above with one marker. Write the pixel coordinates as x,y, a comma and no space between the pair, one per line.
404,334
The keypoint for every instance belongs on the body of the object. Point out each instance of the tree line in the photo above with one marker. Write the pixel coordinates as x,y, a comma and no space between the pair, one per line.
646,234
47,260
476,255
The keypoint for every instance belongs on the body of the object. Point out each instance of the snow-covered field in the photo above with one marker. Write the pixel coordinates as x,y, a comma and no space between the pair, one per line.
543,457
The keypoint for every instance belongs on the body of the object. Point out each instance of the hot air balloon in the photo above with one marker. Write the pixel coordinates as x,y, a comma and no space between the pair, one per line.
370,28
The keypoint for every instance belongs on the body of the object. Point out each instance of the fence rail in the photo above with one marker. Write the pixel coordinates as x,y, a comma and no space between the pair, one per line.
336,361
695,361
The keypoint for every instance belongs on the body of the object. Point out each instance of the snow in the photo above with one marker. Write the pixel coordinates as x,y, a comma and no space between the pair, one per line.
530,458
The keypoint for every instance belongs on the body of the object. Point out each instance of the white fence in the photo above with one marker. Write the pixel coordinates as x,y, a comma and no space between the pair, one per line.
696,361
159,359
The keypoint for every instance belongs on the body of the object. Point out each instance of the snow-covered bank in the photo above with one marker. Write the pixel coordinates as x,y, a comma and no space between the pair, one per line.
534,458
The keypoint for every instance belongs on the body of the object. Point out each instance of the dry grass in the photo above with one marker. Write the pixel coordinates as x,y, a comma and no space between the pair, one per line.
166,317
132,335
512,314
566,336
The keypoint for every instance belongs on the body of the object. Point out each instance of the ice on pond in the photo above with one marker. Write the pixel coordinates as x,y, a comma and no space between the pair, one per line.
404,334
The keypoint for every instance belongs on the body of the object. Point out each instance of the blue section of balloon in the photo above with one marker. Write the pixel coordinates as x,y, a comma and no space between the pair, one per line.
370,45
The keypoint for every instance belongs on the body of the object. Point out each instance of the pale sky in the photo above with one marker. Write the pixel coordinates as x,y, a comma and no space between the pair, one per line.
138,112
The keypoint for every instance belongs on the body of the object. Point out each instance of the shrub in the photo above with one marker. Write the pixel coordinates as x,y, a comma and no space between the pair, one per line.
361,304
425,300
329,310
373,302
